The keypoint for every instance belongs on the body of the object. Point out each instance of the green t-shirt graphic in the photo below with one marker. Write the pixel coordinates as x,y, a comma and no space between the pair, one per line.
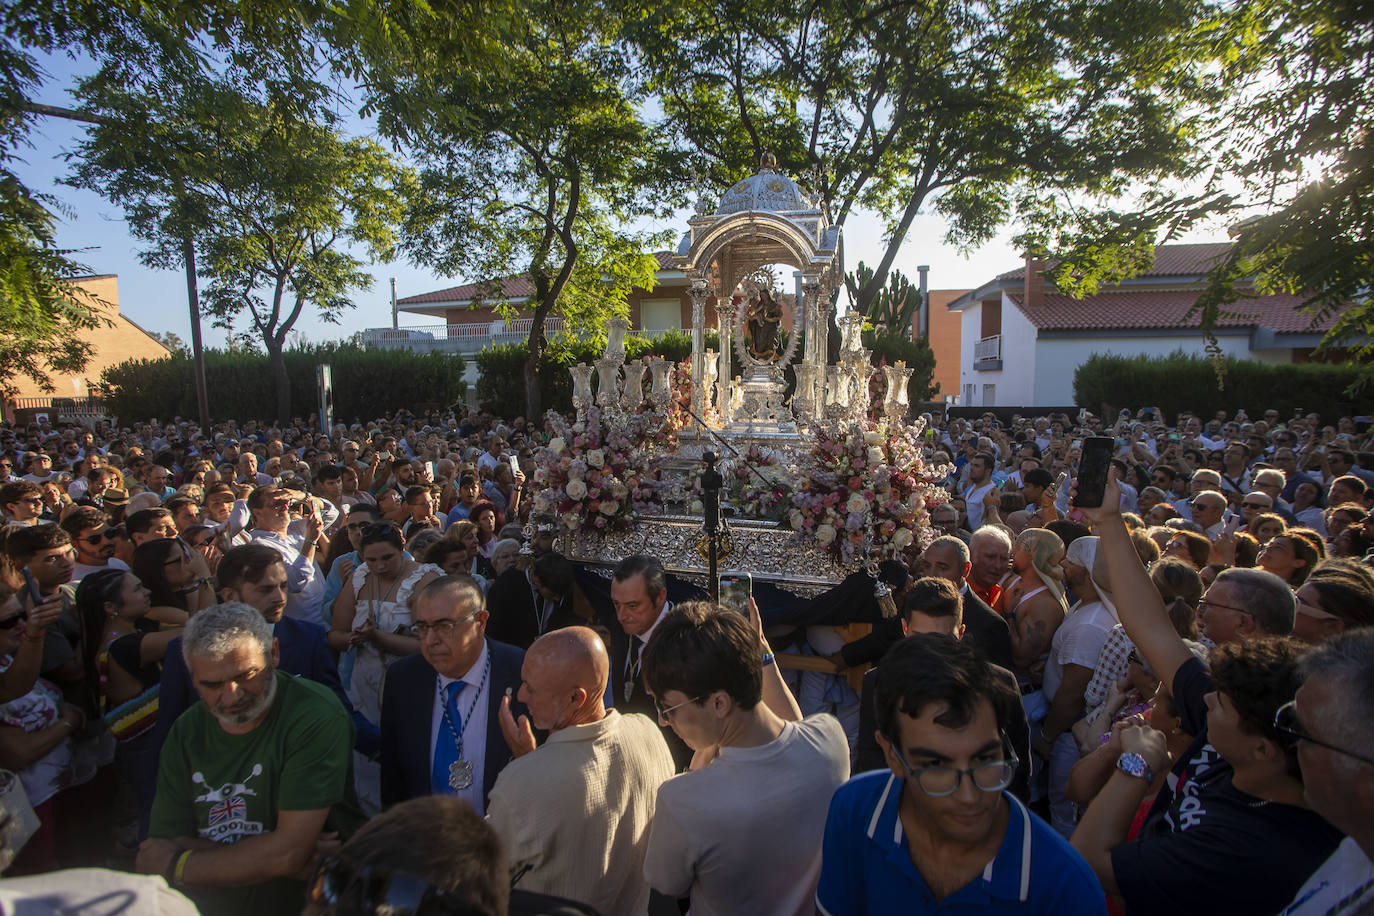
226,788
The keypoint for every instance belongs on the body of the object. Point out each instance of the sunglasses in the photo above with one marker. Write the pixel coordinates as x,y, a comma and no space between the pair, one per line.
9,623
1286,721
96,538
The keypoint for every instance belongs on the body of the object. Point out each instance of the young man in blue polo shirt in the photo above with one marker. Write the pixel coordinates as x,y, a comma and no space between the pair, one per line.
937,832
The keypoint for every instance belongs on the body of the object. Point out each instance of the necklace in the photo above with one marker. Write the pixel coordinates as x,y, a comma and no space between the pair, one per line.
460,771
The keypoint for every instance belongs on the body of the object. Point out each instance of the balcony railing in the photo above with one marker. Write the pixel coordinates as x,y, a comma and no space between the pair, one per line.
63,405
988,348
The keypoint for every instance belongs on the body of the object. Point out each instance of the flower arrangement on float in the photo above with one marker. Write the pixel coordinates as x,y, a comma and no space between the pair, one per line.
595,476
864,489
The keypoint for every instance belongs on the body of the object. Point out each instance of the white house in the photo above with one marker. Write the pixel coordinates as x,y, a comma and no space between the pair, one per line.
1022,341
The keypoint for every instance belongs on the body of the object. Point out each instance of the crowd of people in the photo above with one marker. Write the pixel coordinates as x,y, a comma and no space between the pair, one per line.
274,669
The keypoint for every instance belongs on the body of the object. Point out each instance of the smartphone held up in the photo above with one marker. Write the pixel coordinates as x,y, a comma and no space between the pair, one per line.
735,591
1092,472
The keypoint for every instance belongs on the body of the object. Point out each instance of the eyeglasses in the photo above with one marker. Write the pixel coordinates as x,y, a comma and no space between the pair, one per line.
1254,505
442,628
1206,602
368,890
1286,721
96,538
940,781
666,715
9,623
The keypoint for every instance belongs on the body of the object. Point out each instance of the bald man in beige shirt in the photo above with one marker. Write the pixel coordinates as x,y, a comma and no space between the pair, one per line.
574,813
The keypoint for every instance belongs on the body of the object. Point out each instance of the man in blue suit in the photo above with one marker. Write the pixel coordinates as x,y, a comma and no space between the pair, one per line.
256,576
441,734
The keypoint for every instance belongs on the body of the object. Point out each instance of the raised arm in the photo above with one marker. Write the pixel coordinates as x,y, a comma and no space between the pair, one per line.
1138,603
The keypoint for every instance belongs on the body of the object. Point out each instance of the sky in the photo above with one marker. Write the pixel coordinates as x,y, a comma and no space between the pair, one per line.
95,231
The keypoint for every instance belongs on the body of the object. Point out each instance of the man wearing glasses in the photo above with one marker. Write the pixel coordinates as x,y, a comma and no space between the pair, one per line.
938,828
441,728
22,502
94,542
1333,723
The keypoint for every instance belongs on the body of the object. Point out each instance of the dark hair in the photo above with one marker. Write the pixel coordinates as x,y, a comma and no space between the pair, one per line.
24,542
1304,550
1038,477
16,490
148,564
439,551
555,572
381,533
467,477
1068,531
364,509
246,563
1346,588
934,668
988,459
414,493
179,501
1351,481
438,839
81,518
698,648
92,593
934,597
142,520
1258,676
328,472
1199,548
655,581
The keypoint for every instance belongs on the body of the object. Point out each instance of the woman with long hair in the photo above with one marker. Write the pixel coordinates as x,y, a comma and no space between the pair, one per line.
372,615
122,651
485,517
1309,506
164,566
468,534
1289,556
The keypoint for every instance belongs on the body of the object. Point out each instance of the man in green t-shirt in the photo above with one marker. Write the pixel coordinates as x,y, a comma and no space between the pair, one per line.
251,777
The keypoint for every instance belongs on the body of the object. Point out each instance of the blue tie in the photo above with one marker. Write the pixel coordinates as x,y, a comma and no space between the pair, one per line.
445,745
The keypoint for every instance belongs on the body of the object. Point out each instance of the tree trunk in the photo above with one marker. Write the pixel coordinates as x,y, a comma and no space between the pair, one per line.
280,381
197,352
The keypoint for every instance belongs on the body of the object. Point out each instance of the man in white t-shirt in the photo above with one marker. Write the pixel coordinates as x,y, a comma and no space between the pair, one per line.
979,483
1333,722
742,833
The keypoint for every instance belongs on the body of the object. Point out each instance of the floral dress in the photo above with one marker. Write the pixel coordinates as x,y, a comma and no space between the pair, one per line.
63,766
388,613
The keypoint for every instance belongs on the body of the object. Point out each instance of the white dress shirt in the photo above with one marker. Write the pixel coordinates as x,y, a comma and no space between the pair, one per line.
472,703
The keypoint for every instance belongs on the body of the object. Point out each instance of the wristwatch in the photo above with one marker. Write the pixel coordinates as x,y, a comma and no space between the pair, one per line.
1135,765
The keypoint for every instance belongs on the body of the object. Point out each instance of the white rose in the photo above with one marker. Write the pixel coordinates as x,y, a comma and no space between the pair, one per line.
557,444
797,519
571,521
876,456
619,490
856,504
576,489
901,539
596,458
873,437
825,535
609,507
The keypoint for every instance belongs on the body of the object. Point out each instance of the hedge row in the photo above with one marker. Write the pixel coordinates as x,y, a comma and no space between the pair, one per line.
367,383
501,368
501,384
1188,382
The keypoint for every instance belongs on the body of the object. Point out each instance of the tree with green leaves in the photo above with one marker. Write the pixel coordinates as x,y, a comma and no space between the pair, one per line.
535,161
271,202
989,114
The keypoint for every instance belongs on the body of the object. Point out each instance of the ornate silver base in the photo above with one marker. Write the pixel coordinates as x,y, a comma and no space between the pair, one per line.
762,549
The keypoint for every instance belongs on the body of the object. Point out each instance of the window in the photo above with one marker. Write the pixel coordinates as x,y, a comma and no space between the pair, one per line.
970,392
989,396
660,314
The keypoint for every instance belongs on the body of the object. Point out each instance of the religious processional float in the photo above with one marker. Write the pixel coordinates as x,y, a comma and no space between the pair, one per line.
823,480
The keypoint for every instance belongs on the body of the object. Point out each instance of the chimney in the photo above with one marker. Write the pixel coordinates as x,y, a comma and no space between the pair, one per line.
1033,291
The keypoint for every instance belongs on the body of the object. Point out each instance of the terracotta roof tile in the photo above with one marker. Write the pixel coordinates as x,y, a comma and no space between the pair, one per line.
515,287
1170,261
1164,309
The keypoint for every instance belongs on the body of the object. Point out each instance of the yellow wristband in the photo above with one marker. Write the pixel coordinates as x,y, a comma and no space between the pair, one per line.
179,871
